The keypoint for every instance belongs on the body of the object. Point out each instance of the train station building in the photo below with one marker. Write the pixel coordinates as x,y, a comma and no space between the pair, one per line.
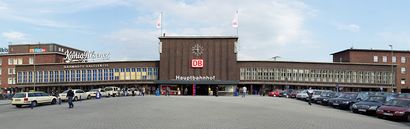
199,64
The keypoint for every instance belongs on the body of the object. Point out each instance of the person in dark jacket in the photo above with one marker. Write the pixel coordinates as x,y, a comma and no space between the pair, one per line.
70,95
216,91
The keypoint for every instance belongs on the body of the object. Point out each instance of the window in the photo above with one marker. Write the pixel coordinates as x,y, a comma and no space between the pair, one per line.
10,61
403,81
1,62
31,60
11,80
12,71
0,71
403,70
375,59
393,59
384,58
20,61
403,59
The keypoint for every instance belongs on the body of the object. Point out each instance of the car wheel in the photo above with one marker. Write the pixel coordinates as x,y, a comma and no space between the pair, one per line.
108,95
54,101
88,97
19,106
75,98
34,103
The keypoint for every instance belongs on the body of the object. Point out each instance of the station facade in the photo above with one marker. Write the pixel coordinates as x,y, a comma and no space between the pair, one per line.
197,65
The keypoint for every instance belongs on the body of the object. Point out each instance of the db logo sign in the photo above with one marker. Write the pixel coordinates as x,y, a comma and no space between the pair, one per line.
197,63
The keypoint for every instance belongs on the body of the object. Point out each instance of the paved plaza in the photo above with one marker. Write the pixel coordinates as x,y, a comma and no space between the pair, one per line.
187,112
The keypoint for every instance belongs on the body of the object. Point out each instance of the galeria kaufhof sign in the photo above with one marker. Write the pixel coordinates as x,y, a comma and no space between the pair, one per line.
73,56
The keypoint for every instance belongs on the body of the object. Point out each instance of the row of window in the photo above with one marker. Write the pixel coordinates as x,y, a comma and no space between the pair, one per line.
316,75
84,75
384,59
19,61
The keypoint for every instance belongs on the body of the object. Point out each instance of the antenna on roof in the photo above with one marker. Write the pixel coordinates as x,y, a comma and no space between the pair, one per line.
352,43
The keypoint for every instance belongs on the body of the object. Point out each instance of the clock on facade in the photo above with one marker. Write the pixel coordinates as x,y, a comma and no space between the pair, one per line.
197,50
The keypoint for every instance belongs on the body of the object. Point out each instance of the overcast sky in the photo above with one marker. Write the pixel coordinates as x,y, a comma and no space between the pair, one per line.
292,29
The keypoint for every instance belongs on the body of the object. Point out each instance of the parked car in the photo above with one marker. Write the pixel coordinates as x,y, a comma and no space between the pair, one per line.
316,94
34,98
369,105
285,93
275,93
345,100
404,95
93,93
112,91
302,95
294,93
395,108
78,95
325,96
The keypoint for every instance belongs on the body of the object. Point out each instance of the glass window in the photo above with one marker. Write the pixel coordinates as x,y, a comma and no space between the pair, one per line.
106,74
89,73
403,59
403,70
45,76
62,76
40,76
375,59
83,75
51,73
0,71
94,74
100,73
20,61
73,73
30,77
384,58
10,61
403,81
30,60
393,59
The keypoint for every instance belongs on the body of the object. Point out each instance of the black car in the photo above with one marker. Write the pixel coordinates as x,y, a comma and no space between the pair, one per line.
345,100
325,96
369,105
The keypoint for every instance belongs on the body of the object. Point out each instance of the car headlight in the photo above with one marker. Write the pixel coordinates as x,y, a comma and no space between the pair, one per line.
345,102
398,112
324,99
373,108
354,106
379,110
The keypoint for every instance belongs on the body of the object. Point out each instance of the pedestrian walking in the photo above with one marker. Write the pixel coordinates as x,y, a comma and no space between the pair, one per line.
70,95
244,92
143,91
186,91
216,91
310,94
167,91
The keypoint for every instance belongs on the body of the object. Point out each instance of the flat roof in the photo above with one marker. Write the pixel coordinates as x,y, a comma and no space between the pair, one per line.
24,54
33,44
341,63
371,50
198,37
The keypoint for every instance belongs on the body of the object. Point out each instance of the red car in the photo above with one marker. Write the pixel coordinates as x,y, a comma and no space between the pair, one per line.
395,108
275,93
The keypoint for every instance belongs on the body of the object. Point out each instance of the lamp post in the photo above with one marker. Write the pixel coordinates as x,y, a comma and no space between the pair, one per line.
275,57
392,77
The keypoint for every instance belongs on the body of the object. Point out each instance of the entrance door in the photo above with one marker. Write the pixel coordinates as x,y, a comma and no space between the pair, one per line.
201,90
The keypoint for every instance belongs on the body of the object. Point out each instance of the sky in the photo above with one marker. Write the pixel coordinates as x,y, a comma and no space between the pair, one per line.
294,30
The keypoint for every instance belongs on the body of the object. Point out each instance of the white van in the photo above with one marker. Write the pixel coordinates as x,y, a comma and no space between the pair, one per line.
112,91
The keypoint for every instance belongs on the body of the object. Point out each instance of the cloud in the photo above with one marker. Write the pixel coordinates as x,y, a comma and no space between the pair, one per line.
349,27
269,24
13,36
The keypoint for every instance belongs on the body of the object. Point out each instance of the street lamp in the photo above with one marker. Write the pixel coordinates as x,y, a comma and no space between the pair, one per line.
392,77
275,57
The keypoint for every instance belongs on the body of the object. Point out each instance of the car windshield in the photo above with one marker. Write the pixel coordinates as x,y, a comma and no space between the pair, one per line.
65,91
93,90
326,94
406,95
376,99
19,95
317,92
398,103
108,89
348,96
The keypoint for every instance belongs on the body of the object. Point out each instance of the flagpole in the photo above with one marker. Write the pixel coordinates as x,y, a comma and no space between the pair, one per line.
237,28
161,25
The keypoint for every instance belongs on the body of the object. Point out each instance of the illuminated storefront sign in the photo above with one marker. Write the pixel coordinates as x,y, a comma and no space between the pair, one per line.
72,56
197,63
195,77
4,50
37,50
